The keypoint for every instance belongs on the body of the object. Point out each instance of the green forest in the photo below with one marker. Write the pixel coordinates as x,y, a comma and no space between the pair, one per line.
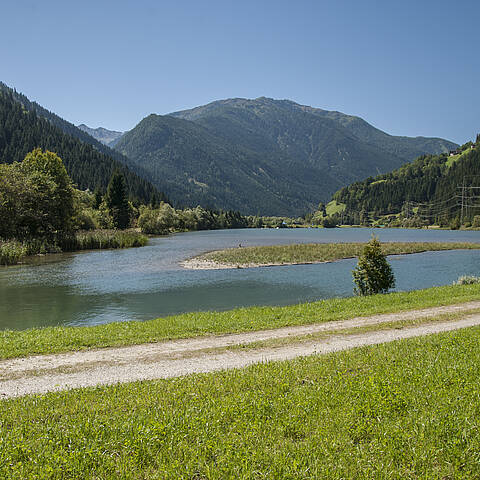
433,190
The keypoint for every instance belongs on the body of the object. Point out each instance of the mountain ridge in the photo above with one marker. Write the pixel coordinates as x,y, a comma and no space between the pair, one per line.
103,135
424,191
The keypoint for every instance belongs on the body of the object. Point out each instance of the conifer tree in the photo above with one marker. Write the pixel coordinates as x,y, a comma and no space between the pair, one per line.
117,201
97,199
373,273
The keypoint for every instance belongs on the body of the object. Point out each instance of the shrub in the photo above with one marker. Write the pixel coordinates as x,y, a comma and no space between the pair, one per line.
329,222
373,274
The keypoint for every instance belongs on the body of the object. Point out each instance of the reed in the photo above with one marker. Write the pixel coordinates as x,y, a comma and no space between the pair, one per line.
11,252
101,239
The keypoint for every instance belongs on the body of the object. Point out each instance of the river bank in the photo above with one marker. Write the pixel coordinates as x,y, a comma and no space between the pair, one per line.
15,252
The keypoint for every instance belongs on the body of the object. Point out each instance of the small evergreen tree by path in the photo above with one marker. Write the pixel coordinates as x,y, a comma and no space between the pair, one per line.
117,201
373,274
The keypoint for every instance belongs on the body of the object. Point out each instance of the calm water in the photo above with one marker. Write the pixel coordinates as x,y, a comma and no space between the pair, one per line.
139,284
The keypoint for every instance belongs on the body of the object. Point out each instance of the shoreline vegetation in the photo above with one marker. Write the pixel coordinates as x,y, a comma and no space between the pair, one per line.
49,340
14,252
302,254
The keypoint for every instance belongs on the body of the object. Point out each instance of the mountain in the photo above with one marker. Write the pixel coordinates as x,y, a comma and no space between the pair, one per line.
432,189
24,127
107,137
273,157
407,148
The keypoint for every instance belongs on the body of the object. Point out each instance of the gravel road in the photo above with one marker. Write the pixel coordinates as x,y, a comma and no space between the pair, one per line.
41,374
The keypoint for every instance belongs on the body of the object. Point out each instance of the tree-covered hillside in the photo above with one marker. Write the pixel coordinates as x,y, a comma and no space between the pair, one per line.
22,130
432,189
257,156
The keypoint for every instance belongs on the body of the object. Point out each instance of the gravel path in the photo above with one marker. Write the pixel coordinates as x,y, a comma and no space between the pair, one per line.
41,374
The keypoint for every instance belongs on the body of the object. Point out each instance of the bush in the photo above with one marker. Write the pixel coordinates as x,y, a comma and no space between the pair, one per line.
373,274
329,222
86,220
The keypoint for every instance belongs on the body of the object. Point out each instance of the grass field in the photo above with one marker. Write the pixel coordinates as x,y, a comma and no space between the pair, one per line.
333,207
320,252
404,410
61,339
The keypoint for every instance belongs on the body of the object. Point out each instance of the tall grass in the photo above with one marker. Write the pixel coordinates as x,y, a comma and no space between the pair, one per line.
100,239
11,252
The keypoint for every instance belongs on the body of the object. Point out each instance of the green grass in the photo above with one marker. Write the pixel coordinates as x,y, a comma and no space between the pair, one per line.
320,252
376,182
333,207
62,339
404,410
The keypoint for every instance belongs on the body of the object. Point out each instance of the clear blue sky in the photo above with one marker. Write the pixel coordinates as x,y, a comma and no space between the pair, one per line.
407,67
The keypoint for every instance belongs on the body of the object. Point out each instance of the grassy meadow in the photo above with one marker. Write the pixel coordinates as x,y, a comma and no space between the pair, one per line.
402,410
321,252
21,343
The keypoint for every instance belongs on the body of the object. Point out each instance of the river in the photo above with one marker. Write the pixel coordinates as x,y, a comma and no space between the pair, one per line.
95,287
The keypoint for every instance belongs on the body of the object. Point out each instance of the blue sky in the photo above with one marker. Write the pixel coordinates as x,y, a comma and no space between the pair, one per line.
407,67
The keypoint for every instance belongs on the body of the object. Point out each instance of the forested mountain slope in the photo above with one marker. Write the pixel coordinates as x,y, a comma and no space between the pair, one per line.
262,156
432,188
22,130
198,167
407,148
71,129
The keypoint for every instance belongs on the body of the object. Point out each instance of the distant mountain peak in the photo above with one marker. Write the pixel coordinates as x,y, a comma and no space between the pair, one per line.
107,137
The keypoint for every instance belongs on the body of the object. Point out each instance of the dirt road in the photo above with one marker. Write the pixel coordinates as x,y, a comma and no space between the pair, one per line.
41,374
